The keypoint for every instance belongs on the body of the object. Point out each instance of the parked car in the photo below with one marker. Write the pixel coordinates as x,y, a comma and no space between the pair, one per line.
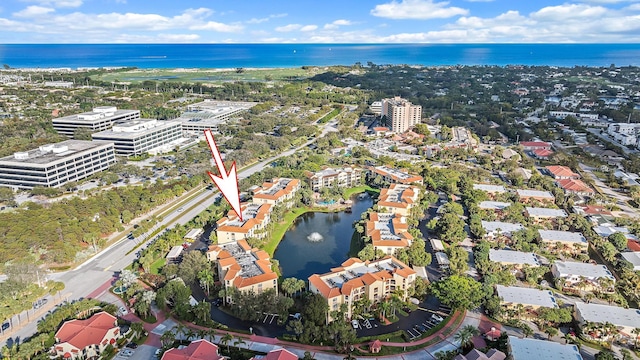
5,326
217,302
436,318
123,311
132,345
355,324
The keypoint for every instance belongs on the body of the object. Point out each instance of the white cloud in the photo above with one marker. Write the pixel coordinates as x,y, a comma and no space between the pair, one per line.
33,11
607,1
569,11
58,3
287,28
309,28
337,23
217,26
179,37
417,9
479,0
261,20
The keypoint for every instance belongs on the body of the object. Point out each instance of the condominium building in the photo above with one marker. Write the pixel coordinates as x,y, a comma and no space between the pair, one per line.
526,196
388,232
196,350
515,258
356,279
54,165
243,268
491,189
533,349
393,176
401,114
571,241
532,299
209,114
278,191
99,119
255,218
341,177
582,276
399,198
141,136
498,228
539,214
624,320
84,339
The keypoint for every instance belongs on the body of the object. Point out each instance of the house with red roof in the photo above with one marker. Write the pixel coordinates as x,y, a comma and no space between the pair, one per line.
535,145
279,354
572,186
82,339
559,172
277,191
197,350
542,154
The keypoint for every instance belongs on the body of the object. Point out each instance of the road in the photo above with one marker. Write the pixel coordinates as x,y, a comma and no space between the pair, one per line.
100,269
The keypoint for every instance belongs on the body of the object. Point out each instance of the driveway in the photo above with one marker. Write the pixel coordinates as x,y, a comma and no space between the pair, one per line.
143,352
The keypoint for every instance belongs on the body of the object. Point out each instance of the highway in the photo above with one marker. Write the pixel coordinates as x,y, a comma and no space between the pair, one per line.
100,269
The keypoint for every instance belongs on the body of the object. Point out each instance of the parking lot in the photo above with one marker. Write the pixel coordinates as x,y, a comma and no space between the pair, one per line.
143,352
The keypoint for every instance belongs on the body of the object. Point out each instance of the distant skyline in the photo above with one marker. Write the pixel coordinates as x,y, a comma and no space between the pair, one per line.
327,21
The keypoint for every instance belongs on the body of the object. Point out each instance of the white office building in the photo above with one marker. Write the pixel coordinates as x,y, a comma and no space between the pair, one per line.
209,114
99,119
142,136
54,165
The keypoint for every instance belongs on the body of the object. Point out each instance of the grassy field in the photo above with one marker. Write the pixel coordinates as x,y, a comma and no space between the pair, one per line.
155,267
360,189
216,76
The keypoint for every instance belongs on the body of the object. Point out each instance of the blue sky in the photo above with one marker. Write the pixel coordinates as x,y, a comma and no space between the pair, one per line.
319,21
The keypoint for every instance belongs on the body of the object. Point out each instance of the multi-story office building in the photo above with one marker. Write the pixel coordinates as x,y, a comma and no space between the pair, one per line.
342,177
243,268
141,136
255,218
101,118
401,113
54,165
356,279
208,114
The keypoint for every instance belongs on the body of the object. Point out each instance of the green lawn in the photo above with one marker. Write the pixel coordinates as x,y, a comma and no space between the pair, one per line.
282,227
155,267
357,190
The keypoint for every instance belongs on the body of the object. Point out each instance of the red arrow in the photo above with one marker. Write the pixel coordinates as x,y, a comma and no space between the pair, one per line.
227,182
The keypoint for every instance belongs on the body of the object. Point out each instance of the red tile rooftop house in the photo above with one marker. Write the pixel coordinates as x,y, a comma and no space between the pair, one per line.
83,339
280,354
562,172
197,350
535,145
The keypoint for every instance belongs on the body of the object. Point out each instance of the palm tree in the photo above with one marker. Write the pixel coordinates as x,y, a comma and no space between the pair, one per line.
180,330
551,331
636,332
189,333
465,336
384,308
238,341
167,338
226,339
201,333
211,334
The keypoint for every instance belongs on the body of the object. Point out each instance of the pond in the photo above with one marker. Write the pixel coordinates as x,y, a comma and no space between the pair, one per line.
318,241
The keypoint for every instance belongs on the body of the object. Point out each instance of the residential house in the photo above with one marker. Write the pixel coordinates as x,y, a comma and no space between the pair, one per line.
82,339
542,154
588,210
278,191
399,198
255,218
388,232
533,349
329,177
498,228
356,279
624,320
393,176
634,258
278,354
541,214
571,186
559,172
197,350
530,298
526,196
535,145
476,354
568,241
243,268
490,189
493,205
578,276
514,258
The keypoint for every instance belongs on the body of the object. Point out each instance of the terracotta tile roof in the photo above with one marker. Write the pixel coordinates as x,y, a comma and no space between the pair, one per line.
380,232
562,172
91,331
242,282
290,187
595,210
633,245
574,185
280,354
543,152
535,144
262,213
244,245
197,350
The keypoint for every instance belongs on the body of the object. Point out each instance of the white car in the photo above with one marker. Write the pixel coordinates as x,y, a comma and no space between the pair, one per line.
355,324
181,210
125,352
437,318
123,311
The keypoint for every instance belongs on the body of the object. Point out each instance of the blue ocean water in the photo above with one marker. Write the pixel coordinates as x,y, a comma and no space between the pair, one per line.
296,55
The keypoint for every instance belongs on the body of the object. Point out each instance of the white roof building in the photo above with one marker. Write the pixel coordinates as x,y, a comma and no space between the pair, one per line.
574,271
537,194
493,205
509,257
529,297
532,349
492,228
545,213
490,188
565,237
625,319
633,257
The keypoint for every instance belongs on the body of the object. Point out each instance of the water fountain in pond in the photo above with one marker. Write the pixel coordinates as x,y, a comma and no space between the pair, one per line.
315,237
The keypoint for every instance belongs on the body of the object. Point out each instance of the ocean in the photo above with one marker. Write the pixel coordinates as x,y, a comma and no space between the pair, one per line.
296,55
